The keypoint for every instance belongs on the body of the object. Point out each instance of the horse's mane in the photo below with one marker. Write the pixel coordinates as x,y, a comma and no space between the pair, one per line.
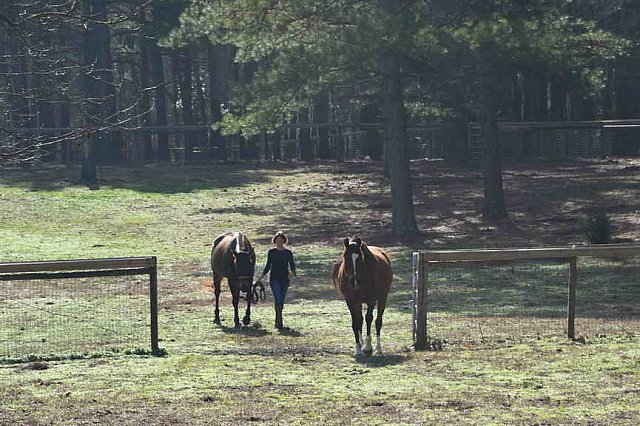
368,256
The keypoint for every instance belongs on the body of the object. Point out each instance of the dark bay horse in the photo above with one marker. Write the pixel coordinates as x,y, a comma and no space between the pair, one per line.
233,258
363,275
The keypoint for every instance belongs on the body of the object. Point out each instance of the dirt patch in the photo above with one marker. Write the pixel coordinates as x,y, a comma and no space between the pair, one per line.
37,365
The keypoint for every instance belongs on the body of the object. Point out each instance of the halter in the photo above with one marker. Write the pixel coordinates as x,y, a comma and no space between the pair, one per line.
256,293
241,249
244,277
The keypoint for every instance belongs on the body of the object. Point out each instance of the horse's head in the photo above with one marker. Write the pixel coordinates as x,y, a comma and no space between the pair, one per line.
244,263
353,259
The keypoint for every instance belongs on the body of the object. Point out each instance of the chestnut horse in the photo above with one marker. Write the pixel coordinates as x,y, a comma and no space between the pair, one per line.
233,257
363,275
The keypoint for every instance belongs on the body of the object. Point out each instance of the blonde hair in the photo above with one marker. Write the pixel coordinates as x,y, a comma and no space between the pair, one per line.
279,234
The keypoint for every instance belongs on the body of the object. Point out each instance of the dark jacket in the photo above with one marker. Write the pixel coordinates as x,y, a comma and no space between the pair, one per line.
278,262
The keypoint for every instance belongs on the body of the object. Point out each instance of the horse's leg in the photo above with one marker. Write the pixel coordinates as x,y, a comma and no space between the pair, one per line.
235,294
356,325
217,279
381,305
247,315
366,347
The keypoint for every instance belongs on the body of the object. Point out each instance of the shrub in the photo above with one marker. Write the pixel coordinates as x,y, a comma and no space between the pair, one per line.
597,228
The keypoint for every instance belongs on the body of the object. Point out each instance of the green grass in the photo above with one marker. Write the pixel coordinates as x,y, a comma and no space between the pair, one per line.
556,384
220,375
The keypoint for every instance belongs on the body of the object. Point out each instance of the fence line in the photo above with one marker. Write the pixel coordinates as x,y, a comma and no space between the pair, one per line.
82,268
568,254
349,140
78,265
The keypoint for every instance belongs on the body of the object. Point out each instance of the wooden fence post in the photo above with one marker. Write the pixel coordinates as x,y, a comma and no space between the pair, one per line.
419,302
571,302
153,305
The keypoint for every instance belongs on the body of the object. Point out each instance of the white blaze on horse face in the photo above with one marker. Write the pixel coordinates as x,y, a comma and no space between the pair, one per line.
239,243
354,257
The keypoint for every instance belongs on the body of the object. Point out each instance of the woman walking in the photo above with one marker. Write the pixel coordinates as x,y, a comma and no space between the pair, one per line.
279,260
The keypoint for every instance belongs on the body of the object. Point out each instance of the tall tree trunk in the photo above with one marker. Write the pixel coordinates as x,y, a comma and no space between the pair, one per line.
45,115
373,142
89,172
321,116
65,122
395,136
46,118
160,100
304,136
275,144
608,101
250,143
557,112
5,81
200,108
20,110
113,138
96,79
160,91
182,65
101,89
457,135
494,204
145,97
220,76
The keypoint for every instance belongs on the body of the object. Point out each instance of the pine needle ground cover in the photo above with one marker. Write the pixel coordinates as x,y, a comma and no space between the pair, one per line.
220,375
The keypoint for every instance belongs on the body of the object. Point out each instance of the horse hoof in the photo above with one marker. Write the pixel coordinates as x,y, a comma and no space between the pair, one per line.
377,353
367,352
246,320
216,321
237,325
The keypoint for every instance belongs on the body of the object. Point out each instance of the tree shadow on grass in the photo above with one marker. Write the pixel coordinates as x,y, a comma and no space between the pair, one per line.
331,217
381,361
245,330
290,332
151,178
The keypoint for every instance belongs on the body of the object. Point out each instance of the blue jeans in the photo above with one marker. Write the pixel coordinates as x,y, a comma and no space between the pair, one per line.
279,289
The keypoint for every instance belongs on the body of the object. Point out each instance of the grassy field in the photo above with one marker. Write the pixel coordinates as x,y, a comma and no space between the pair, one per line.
220,375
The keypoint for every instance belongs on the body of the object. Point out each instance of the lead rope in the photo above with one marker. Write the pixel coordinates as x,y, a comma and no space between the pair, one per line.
258,292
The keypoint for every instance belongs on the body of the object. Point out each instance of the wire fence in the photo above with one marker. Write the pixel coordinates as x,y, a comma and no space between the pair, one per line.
608,301
343,139
53,315
72,315
502,302
470,303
